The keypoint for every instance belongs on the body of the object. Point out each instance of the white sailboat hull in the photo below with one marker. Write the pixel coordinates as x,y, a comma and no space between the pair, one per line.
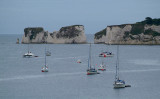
119,85
28,55
92,73
48,53
102,67
44,70
78,61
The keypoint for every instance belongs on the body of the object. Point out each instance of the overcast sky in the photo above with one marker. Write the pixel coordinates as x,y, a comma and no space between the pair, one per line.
95,15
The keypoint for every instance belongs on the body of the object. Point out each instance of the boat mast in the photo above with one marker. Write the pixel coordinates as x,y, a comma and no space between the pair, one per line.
118,61
102,58
28,43
45,55
88,63
28,47
90,56
117,64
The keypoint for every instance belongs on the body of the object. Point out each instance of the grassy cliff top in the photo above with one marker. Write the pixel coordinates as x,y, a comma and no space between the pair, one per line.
148,21
71,26
33,30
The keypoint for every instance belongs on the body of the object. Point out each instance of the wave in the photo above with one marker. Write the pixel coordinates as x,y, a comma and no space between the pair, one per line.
39,76
69,74
71,57
146,70
145,62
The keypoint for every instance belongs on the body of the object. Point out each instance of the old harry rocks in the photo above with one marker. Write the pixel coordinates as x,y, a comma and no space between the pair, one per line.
66,35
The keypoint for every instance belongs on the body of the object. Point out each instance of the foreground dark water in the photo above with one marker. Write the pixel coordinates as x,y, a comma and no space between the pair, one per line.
21,78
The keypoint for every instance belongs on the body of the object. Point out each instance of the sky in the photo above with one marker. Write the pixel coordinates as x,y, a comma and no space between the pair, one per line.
95,15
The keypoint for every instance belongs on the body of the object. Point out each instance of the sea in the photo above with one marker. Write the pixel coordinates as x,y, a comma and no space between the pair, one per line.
21,78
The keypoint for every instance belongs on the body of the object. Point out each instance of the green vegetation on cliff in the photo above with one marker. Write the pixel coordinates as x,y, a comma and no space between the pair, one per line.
99,34
151,32
68,32
138,28
150,21
33,31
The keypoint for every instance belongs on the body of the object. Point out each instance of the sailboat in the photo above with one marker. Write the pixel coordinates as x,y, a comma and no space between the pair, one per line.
102,66
91,70
48,53
28,54
45,68
118,83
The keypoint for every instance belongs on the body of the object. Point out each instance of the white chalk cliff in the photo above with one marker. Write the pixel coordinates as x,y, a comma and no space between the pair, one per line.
69,34
131,34
100,37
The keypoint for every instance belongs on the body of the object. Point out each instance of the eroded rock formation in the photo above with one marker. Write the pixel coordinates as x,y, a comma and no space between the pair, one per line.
69,34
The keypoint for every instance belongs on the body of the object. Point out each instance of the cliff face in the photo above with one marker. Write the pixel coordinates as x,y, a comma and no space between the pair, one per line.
69,34
100,37
144,32
132,34
33,35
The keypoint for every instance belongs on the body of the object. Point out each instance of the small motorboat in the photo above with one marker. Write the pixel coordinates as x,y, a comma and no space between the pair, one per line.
79,61
102,55
106,54
109,54
44,69
28,55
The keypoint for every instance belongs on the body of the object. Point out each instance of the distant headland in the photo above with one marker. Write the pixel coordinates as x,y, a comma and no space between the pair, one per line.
144,32
66,35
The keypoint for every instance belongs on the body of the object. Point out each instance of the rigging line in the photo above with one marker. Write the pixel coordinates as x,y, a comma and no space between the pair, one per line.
118,60
90,56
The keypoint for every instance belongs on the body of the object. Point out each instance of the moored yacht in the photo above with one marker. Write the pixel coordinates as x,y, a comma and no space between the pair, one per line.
48,53
91,69
118,83
102,67
45,68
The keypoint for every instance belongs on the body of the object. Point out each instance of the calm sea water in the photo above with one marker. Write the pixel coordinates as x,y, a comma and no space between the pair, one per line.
21,78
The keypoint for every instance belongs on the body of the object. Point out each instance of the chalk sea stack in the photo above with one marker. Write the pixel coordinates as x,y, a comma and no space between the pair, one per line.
66,35
145,32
